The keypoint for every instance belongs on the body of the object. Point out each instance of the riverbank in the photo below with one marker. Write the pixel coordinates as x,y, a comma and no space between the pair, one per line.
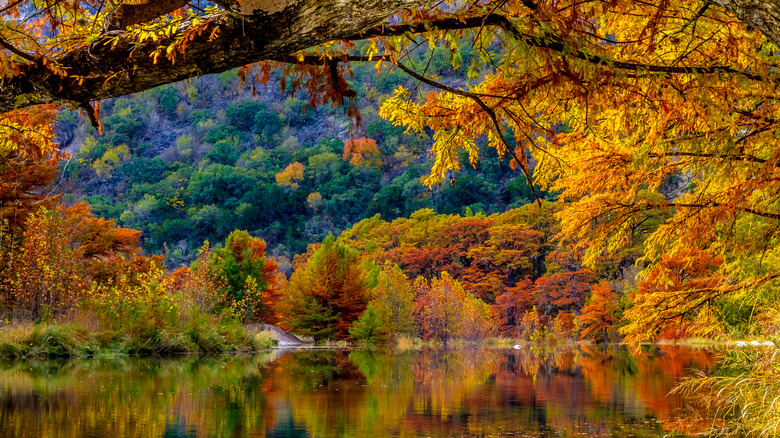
209,335
200,335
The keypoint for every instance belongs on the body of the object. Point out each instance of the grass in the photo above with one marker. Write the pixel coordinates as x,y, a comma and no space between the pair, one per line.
203,334
743,391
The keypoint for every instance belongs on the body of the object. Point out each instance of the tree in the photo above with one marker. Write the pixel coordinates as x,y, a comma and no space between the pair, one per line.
250,277
512,304
362,151
327,292
368,327
102,249
199,282
677,297
41,278
444,310
598,317
291,175
393,301
28,164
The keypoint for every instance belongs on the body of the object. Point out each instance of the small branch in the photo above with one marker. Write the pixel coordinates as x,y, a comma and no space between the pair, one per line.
15,51
319,60
490,112
739,157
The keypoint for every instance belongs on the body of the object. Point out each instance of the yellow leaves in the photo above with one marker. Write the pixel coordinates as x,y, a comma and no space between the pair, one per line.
145,296
291,175
314,201
446,145
400,110
105,165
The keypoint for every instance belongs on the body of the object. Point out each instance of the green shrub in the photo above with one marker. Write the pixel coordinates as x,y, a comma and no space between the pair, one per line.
368,328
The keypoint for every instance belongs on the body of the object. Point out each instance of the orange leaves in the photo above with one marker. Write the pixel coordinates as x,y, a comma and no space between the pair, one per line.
362,151
28,162
676,297
28,132
97,237
291,175
598,317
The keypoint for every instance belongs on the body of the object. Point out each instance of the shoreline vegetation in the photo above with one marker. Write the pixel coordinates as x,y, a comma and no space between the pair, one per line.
26,340
204,336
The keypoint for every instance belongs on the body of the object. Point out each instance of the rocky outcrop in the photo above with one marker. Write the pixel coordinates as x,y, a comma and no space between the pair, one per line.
283,338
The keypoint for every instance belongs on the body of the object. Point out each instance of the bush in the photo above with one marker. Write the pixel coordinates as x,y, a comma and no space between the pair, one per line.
368,328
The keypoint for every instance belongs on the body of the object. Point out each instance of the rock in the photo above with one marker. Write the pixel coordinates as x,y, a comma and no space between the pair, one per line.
753,343
283,338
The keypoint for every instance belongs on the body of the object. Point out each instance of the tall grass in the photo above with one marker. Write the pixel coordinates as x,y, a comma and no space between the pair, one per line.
744,391
199,334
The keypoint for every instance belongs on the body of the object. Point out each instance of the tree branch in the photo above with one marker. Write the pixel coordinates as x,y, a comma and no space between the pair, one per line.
117,64
489,111
545,41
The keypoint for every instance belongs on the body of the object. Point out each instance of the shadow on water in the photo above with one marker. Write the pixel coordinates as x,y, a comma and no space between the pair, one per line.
339,393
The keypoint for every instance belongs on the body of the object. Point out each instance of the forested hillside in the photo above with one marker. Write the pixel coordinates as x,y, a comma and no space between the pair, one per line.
195,160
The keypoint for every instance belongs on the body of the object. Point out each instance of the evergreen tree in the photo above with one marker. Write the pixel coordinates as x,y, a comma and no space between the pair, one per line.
369,327
249,275
327,292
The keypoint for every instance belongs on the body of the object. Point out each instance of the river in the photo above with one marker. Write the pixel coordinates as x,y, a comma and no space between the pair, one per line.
352,393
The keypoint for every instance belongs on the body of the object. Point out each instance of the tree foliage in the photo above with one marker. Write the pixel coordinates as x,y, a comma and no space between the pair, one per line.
599,316
250,277
327,292
393,301
444,310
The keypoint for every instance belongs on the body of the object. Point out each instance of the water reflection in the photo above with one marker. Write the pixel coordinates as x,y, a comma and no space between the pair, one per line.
341,393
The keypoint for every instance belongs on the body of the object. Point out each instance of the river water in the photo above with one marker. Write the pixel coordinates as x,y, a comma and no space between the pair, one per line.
343,393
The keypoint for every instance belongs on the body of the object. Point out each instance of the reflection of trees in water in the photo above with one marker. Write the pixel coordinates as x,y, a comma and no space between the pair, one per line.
130,397
329,393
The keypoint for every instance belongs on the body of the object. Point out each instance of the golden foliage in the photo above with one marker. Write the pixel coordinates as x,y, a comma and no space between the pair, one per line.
291,175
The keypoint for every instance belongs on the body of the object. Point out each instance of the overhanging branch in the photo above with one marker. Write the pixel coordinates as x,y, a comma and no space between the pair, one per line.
255,30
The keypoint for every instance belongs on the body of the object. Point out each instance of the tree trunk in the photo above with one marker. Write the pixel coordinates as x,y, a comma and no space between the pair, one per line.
763,15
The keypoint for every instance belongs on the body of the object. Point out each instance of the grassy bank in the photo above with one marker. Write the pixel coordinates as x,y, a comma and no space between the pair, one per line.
74,339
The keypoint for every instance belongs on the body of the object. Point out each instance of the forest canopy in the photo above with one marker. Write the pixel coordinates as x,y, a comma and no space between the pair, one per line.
654,122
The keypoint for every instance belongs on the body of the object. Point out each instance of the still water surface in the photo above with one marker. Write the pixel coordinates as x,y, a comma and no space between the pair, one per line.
341,393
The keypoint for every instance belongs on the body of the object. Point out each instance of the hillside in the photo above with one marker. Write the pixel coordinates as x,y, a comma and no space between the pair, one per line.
195,160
